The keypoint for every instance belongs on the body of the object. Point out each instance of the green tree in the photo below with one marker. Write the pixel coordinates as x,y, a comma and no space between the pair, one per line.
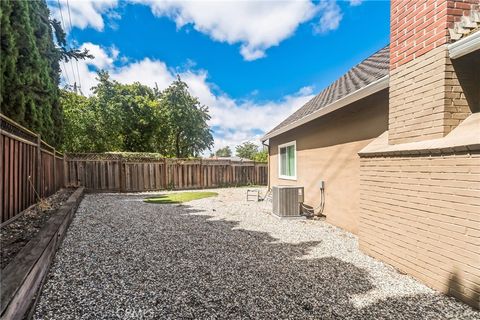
136,118
140,116
184,129
106,130
29,67
77,118
224,152
127,115
247,150
93,124
261,156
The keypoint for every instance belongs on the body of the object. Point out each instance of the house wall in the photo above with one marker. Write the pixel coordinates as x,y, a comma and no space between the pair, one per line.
420,182
421,214
426,98
327,150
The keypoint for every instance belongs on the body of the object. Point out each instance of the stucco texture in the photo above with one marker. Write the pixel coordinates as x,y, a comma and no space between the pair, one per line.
326,149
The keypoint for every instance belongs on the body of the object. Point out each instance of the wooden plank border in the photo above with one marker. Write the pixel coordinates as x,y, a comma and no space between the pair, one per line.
23,276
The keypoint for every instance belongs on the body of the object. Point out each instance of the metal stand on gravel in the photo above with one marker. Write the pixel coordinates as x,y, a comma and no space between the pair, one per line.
255,193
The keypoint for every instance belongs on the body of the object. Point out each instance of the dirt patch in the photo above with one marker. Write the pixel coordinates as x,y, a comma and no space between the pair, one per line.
16,235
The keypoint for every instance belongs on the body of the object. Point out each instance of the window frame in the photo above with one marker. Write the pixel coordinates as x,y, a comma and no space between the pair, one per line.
284,145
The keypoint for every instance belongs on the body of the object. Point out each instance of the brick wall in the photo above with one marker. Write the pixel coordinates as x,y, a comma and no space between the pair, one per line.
426,99
418,27
421,214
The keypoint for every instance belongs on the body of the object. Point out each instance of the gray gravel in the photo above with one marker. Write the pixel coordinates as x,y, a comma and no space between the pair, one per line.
222,258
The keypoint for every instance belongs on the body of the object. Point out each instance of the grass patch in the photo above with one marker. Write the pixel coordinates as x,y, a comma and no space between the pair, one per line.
180,197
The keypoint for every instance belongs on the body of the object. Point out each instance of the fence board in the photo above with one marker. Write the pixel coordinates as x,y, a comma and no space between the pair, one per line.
26,162
151,175
11,184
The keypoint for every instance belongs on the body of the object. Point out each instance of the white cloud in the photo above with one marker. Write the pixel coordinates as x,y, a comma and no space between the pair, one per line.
330,17
355,2
102,58
146,71
247,121
83,13
255,25
235,121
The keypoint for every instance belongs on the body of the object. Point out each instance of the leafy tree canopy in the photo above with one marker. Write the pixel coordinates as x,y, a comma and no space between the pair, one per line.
136,118
246,150
250,150
224,152
261,156
185,127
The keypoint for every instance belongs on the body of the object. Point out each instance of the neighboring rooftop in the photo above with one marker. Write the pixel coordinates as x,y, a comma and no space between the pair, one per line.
366,72
233,158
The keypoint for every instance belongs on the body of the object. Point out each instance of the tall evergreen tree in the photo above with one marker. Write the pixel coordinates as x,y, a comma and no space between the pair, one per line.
30,71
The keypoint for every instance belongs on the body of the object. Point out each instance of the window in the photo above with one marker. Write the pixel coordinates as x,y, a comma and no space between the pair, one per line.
287,162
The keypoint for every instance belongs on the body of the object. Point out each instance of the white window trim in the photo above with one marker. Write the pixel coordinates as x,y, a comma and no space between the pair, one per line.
294,144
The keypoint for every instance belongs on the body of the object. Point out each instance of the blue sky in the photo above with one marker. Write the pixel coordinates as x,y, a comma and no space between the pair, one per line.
252,62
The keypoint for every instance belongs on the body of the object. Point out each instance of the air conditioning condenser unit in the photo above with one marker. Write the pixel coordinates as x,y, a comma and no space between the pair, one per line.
287,201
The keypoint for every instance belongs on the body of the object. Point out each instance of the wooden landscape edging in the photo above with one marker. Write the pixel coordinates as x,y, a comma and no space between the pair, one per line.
23,276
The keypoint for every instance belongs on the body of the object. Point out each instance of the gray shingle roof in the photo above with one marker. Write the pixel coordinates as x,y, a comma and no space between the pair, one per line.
369,70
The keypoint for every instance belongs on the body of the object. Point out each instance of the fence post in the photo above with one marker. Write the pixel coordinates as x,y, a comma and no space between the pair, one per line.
201,174
165,174
65,170
54,170
38,163
121,171
3,192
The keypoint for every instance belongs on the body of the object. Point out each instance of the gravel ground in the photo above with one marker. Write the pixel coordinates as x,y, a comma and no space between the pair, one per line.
222,258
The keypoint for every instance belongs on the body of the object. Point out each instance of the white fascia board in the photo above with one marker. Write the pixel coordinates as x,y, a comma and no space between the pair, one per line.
366,91
464,46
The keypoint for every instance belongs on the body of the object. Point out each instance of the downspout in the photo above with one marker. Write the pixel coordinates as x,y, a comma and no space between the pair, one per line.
268,164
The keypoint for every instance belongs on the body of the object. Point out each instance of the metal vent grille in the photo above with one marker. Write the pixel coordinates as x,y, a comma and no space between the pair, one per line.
286,200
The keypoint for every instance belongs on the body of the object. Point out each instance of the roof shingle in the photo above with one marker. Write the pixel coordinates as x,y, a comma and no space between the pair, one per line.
368,71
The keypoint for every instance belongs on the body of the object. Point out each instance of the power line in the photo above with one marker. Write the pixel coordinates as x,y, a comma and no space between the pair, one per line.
73,72
66,73
63,26
71,32
78,73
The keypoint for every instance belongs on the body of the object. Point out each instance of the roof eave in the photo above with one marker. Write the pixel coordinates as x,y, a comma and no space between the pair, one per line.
464,46
361,93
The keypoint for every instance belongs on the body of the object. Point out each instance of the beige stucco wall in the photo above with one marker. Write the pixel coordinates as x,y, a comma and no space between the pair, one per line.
327,150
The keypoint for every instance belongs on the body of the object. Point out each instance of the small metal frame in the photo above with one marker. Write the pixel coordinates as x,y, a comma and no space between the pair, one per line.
253,193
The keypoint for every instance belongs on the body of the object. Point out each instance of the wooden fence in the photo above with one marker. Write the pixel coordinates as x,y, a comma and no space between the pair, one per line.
27,164
111,172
